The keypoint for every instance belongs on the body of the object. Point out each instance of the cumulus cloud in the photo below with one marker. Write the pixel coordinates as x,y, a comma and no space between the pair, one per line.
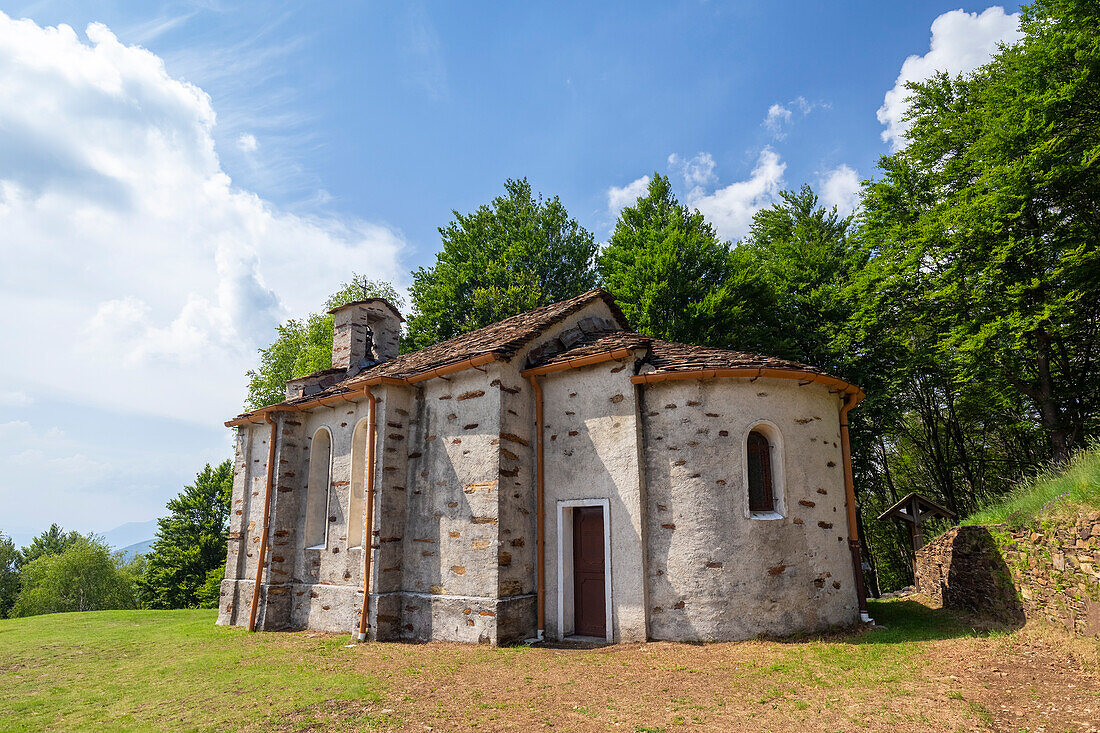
619,198
247,143
697,171
840,187
131,260
779,117
731,207
961,42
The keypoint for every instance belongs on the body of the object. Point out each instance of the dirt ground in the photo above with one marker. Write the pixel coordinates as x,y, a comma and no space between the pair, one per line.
922,671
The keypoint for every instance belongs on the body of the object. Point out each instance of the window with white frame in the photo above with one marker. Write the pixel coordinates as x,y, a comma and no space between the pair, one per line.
764,472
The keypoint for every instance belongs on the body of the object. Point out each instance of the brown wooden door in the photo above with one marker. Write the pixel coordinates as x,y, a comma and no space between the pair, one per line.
590,613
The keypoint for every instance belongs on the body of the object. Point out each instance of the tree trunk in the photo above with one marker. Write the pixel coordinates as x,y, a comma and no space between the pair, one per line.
1061,435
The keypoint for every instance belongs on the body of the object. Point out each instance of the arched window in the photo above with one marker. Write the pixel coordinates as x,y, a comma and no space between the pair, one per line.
356,498
761,477
320,458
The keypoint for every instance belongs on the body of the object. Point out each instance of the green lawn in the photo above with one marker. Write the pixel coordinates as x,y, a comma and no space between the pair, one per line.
151,669
156,670
1078,484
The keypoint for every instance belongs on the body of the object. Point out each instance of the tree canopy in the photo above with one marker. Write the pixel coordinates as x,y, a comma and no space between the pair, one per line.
85,576
9,574
990,214
302,347
666,267
511,255
191,541
53,541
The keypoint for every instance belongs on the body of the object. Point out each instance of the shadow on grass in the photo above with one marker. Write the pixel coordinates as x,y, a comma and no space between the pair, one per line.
902,621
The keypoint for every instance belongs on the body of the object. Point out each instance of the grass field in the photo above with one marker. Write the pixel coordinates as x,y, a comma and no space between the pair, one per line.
1064,490
149,670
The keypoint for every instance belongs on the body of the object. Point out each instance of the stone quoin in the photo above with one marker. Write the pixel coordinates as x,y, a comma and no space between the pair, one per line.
687,493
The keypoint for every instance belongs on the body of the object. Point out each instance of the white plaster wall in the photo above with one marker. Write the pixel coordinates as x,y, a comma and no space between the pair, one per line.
714,573
590,452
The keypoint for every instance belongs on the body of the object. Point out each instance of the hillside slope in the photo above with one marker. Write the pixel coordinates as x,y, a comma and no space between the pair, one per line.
1052,493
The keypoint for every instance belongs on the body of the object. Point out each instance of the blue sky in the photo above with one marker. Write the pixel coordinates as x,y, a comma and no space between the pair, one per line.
176,178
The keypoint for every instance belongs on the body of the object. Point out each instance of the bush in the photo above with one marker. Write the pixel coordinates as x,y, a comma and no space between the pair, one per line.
211,590
85,576
9,574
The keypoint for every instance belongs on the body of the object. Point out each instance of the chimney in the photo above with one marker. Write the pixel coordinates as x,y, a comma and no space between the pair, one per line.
365,333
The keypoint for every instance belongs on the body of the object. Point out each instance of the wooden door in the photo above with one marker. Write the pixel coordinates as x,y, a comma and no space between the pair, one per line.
590,612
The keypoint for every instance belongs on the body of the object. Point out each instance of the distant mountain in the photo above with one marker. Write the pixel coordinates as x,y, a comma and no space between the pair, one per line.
131,533
138,548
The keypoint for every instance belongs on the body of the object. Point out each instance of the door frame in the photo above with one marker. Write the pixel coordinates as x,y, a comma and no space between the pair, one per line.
565,559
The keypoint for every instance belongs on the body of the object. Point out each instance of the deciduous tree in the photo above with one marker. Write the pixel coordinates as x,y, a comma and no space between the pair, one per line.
305,346
191,540
85,576
511,255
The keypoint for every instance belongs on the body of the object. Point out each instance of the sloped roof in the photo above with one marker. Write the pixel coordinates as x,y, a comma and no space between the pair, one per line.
505,338
595,343
502,339
383,301
667,356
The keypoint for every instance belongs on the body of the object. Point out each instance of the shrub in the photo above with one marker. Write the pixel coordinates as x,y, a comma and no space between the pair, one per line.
85,576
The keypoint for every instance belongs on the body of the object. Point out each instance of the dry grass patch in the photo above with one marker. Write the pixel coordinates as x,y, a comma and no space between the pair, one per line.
926,670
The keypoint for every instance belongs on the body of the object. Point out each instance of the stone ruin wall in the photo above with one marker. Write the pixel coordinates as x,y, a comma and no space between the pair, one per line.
1049,572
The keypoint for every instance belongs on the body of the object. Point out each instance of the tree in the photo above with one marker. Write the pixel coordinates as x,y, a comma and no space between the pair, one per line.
1005,243
85,576
305,346
53,541
211,590
975,319
667,269
512,255
803,253
9,574
191,541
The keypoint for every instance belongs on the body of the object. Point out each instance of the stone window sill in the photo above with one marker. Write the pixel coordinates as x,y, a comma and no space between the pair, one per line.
765,515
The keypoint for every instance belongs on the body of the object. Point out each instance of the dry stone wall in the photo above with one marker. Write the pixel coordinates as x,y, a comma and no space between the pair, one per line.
1050,571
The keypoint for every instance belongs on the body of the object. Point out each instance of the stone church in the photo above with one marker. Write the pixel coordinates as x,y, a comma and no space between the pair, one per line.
553,475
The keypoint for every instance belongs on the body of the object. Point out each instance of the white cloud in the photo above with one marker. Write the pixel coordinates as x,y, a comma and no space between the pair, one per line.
619,198
16,398
731,208
247,143
780,116
840,187
697,171
961,42
777,117
136,274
